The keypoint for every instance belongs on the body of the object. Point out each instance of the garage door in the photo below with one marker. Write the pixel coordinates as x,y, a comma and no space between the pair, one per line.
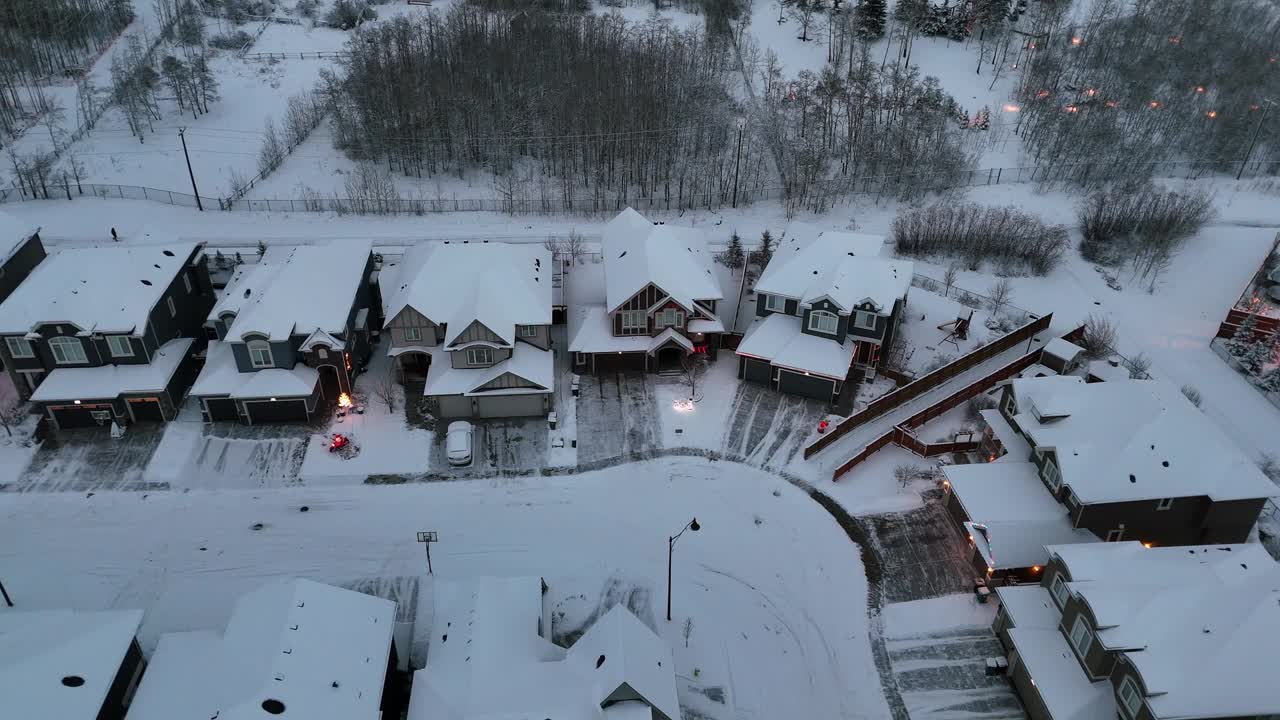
615,362
222,410
511,406
806,385
146,410
756,370
278,411
81,416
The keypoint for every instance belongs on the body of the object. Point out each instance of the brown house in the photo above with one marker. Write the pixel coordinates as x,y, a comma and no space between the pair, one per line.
660,300
1118,630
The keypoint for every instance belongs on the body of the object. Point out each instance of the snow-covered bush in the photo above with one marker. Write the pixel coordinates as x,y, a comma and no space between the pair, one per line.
976,404
233,40
1100,336
1192,394
1144,226
346,14
979,233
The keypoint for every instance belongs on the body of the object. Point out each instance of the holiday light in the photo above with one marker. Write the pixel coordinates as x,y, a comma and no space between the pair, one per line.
1042,94
1200,88
1111,103
1154,104
1072,109
1090,92
1076,40
1011,108
683,406
1211,114
344,400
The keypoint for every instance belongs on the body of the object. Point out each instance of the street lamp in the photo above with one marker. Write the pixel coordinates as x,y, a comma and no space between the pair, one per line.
671,546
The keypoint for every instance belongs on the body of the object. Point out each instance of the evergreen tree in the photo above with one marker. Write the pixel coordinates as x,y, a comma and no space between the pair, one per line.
870,16
733,255
762,256
1239,343
1256,357
1271,381
984,119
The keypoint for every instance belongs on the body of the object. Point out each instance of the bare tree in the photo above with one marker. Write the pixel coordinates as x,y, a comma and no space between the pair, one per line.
1100,337
1140,366
949,278
11,414
384,389
1000,293
692,369
904,473
574,245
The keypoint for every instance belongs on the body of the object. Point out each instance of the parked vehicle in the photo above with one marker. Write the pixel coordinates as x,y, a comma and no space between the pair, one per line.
458,442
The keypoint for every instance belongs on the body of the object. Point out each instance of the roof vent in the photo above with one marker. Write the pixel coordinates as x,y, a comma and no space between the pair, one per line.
146,282
246,292
815,272
155,265
624,254
168,253
1132,479
599,662
1165,463
77,681
275,707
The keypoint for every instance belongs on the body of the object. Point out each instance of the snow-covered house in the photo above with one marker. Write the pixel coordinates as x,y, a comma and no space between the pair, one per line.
1062,356
490,656
104,334
1121,630
69,664
1120,460
660,298
292,648
827,310
473,320
20,251
293,331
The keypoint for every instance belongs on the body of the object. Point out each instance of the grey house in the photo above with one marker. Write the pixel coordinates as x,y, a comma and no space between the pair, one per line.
471,321
1117,630
827,309
293,331
1120,460
105,334
20,251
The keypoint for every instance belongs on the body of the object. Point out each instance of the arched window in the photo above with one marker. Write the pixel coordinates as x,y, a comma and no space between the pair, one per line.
260,354
823,321
67,350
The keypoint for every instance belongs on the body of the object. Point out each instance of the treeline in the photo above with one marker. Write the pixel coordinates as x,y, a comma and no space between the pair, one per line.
606,109
43,38
1142,82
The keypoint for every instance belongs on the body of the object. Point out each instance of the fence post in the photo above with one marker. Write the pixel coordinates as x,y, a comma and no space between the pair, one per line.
120,191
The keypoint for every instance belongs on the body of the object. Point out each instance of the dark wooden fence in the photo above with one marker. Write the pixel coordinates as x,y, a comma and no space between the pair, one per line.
1266,325
927,382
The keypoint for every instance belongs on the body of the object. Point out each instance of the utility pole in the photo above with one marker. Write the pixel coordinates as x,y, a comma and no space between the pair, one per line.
182,134
5,593
1266,107
737,158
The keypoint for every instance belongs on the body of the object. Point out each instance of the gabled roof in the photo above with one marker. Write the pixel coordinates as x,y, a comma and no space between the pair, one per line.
500,285
779,339
623,651
319,650
1133,440
526,362
109,381
637,253
109,289
13,232
295,290
811,264
1064,350
39,649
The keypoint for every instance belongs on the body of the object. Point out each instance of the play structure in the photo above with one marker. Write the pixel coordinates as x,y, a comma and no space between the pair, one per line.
958,330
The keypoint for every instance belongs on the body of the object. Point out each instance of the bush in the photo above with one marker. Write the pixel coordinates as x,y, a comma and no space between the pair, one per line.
1099,337
1192,394
1143,225
307,8
1140,366
233,40
977,233
973,409
346,14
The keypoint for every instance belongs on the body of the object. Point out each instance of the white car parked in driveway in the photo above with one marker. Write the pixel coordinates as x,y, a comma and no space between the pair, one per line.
458,442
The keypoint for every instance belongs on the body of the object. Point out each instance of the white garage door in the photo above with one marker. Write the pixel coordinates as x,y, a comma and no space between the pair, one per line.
511,405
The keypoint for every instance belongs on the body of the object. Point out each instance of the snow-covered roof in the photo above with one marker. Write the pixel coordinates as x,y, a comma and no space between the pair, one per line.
487,659
43,651
109,381
779,339
13,232
590,331
319,650
1135,565
668,336
1064,350
320,337
676,259
500,285
526,361
700,325
1134,440
1015,446
221,376
1029,606
1066,690
1104,370
109,289
1016,514
811,264
295,290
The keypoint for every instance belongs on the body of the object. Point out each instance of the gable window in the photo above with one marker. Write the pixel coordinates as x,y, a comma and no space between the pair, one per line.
20,347
67,351
322,353
186,280
120,346
1164,503
1081,636
864,320
528,331
412,334
823,321
173,309
633,320
1051,474
1059,589
669,318
479,356
1130,696
260,354
775,303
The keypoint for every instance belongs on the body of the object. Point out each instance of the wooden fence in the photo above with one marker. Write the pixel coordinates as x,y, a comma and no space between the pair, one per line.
927,382
1266,325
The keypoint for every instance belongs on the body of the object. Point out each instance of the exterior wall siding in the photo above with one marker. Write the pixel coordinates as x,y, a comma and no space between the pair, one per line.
882,323
542,340
410,318
1099,661
120,694
1030,696
507,381
20,264
458,358
476,332
807,385
842,322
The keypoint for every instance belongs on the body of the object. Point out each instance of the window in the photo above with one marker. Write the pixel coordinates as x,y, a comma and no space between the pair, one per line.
173,309
1081,636
1059,589
775,303
260,354
633,320
322,353
479,356
1130,696
1164,504
528,331
67,351
412,334
669,318
20,347
580,358
823,321
864,320
1051,474
1010,404
186,280
120,346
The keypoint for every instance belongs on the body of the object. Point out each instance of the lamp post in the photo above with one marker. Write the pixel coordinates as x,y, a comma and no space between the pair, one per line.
1266,106
671,546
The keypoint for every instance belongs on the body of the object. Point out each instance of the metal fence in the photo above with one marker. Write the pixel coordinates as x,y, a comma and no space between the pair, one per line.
72,191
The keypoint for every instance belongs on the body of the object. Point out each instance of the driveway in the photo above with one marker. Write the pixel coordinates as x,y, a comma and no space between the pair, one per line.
769,428
617,416
922,553
90,460
505,446
943,674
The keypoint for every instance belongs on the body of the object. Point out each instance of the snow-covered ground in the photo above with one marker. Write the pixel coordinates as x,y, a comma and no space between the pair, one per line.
770,589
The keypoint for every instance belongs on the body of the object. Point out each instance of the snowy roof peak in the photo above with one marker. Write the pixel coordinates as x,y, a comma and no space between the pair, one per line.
675,259
13,232
109,289
811,264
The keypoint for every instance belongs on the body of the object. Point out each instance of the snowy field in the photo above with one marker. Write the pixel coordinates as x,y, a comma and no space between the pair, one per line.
773,588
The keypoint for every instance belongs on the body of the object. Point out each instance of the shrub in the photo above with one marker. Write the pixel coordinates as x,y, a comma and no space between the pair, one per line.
1192,394
1139,366
233,40
346,14
1145,225
973,409
1099,338
307,8
977,233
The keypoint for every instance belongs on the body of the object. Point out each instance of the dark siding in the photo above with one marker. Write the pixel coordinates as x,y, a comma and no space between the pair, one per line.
20,264
122,687
282,354
1191,520
139,357
1099,661
891,326
193,308
842,321
793,307
1029,695
754,370
807,386
882,322
761,310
